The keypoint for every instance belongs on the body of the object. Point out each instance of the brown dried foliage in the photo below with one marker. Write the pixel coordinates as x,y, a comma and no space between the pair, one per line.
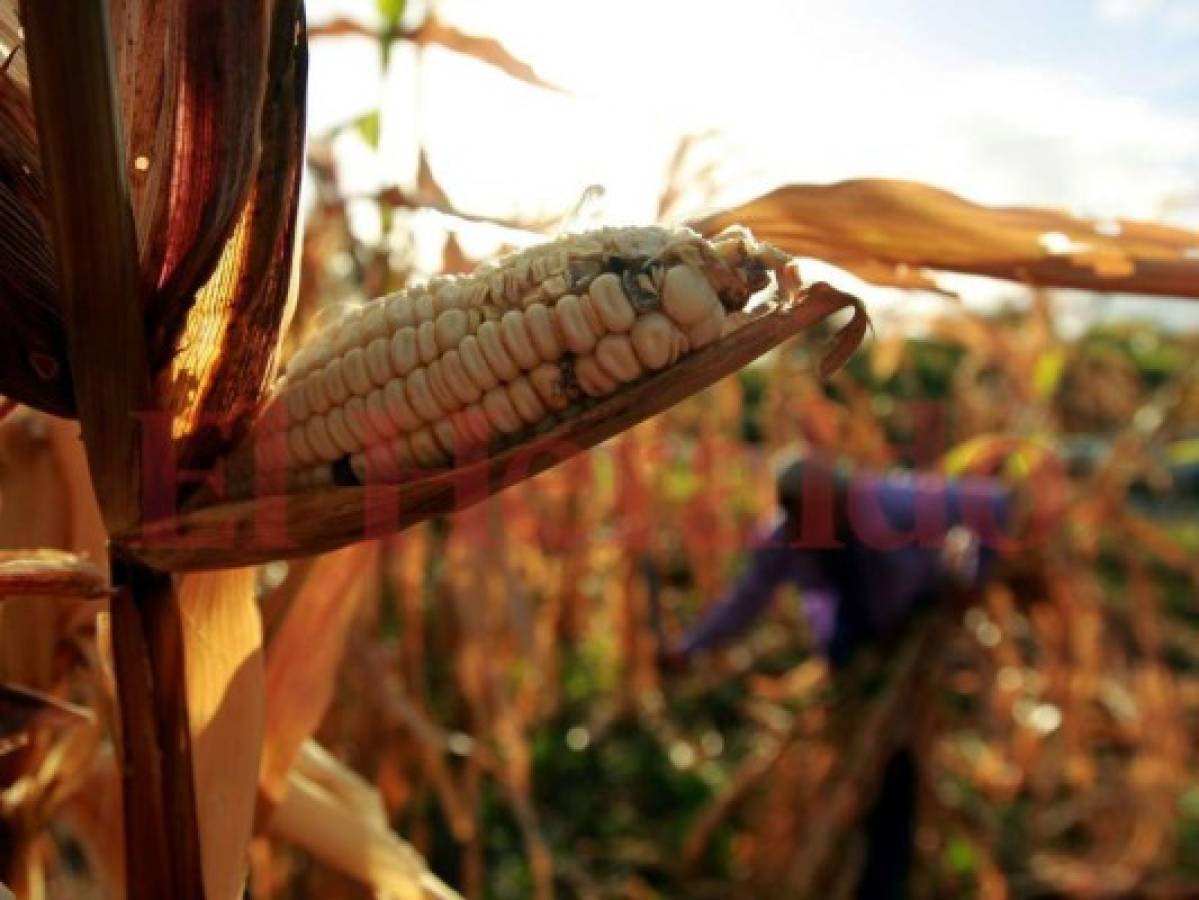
1080,712
889,232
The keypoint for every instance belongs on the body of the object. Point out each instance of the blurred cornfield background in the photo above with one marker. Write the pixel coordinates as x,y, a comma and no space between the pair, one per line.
491,675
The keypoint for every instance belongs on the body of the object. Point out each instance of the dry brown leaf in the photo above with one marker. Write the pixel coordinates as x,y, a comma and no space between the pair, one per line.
485,49
434,31
453,259
72,84
50,573
47,503
223,358
23,708
317,820
428,188
214,127
93,815
12,60
33,365
322,768
303,657
884,230
212,61
224,678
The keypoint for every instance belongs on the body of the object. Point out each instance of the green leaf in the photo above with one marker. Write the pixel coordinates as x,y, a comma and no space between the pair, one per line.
392,13
368,127
960,857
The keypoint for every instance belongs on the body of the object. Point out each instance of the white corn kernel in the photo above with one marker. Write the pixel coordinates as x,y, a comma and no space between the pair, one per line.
426,449
440,389
378,413
653,340
314,392
592,379
576,333
517,339
450,328
525,400
547,382
335,382
359,422
378,360
380,463
491,342
399,408
297,402
473,424
354,370
319,439
339,431
404,355
426,342
539,321
687,297
474,363
420,396
446,437
349,334
615,354
374,323
591,316
611,303
423,307
501,412
454,372
706,330
400,313
400,452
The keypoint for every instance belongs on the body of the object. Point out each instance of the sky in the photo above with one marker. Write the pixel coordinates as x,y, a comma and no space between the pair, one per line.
1087,105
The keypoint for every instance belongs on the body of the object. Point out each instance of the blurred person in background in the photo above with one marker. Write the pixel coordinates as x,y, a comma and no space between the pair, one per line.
867,551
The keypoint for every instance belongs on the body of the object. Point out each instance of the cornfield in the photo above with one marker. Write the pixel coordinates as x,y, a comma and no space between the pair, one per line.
303,593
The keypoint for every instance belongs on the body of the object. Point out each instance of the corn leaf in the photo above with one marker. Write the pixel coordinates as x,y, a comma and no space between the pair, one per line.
47,503
33,362
223,357
303,657
883,230
212,104
50,573
12,60
342,837
93,816
23,708
484,49
434,31
83,162
222,652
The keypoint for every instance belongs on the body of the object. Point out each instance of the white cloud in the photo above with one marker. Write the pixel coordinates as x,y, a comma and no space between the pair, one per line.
1176,16
1123,11
1182,17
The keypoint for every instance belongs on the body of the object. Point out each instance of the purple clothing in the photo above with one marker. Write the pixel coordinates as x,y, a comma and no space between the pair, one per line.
772,565
890,530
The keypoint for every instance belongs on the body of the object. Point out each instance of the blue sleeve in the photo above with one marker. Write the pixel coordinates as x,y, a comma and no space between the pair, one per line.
772,563
984,505
894,511
898,525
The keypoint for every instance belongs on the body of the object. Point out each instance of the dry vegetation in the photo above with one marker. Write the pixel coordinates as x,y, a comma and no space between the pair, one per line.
474,701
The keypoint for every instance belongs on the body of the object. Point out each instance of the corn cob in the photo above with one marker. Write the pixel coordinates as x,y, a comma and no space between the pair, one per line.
462,366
